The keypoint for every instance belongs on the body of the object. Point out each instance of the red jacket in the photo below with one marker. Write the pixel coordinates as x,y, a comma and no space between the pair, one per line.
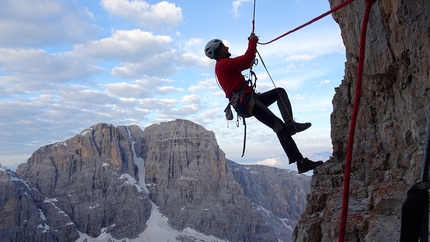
229,70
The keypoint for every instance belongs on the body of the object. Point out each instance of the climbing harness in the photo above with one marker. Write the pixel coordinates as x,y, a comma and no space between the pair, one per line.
243,104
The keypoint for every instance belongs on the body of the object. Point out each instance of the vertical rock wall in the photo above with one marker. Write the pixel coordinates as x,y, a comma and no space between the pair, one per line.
390,136
90,179
189,180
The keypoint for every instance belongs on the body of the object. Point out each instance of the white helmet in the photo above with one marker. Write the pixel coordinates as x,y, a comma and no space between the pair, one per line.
211,46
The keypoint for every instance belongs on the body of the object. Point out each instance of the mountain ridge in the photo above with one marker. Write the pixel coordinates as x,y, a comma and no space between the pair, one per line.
98,180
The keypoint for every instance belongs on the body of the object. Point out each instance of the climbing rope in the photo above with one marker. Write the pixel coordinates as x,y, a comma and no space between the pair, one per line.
289,32
253,18
311,21
277,91
347,172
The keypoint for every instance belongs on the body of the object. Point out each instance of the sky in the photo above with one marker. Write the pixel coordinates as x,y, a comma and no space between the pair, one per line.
68,65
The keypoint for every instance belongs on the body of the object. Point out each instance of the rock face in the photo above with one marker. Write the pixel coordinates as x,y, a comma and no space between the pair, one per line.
108,179
276,193
189,181
27,215
390,136
91,179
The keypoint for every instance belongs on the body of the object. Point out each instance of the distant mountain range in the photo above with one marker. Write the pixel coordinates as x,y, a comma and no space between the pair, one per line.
168,182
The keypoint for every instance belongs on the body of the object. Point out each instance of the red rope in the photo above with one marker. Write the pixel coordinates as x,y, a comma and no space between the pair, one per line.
347,172
313,20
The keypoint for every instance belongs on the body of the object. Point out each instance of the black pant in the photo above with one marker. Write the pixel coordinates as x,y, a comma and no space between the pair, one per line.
263,114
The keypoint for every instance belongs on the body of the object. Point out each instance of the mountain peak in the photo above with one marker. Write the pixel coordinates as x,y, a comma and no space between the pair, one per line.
116,182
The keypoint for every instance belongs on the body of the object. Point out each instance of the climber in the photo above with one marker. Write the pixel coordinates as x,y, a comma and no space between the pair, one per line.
228,71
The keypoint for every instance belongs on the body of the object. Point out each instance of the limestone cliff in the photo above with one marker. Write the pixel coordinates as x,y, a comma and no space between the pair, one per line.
90,177
188,179
391,127
106,182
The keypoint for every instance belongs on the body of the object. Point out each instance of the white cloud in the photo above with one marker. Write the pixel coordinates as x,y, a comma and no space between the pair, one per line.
157,65
307,44
298,97
169,89
145,14
209,84
186,110
44,22
194,42
40,66
125,45
324,82
270,162
303,57
193,98
141,88
169,102
235,8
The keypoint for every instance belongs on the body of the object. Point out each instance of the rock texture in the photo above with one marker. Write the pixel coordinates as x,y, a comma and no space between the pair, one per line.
391,128
27,215
108,180
189,180
277,194
91,179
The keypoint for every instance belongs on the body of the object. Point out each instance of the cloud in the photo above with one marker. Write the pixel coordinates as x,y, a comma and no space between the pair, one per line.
307,44
194,42
269,162
36,65
86,99
298,97
303,57
169,89
125,45
145,88
235,8
157,65
324,82
209,84
193,98
132,54
62,21
145,14
185,110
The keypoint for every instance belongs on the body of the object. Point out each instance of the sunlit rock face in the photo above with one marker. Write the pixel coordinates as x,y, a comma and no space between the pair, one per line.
170,179
91,178
390,137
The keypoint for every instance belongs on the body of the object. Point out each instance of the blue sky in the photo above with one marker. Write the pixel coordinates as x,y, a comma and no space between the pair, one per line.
67,65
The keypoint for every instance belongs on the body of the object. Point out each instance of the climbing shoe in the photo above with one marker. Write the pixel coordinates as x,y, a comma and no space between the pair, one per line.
297,127
305,165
